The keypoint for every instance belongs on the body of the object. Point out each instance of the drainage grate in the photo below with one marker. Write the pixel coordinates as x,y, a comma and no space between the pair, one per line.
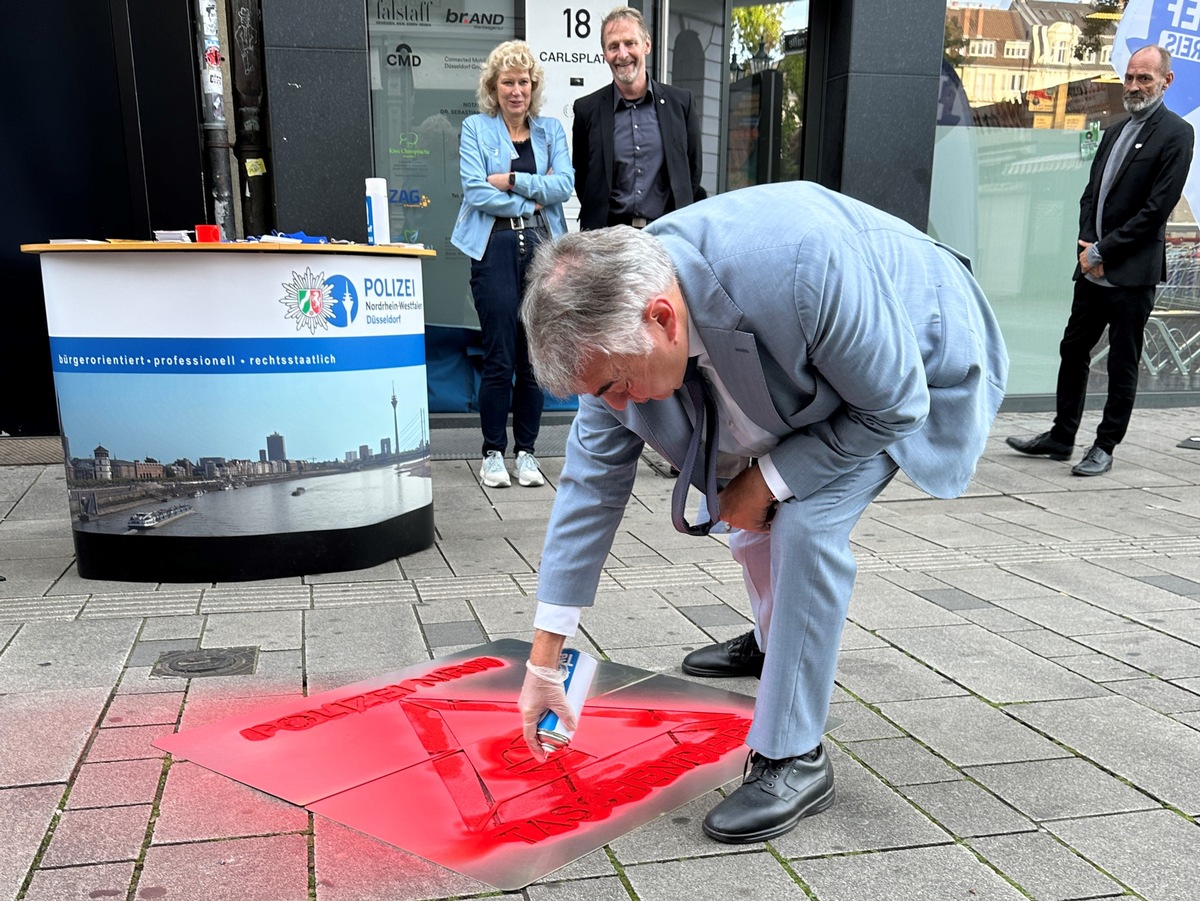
207,662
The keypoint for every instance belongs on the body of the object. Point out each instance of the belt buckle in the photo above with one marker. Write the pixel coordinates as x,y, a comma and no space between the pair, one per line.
513,223
639,222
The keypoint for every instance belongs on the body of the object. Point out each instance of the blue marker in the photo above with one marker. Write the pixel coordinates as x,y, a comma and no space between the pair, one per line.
580,668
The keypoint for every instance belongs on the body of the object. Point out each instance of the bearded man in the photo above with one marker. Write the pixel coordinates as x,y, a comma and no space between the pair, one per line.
1136,179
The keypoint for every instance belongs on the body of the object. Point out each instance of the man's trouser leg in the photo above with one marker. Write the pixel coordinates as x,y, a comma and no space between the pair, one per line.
799,576
1085,325
1129,310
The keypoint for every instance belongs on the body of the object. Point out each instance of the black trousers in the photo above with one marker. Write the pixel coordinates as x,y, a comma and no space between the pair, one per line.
1124,310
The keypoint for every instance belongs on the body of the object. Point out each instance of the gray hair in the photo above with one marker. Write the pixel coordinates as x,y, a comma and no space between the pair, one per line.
509,55
586,295
624,12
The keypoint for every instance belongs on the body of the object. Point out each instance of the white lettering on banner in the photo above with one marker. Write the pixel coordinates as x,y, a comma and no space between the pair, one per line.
1180,8
1181,46
390,287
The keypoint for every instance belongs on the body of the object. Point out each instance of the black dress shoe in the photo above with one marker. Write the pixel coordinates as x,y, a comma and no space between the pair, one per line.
773,798
1042,446
737,657
1095,462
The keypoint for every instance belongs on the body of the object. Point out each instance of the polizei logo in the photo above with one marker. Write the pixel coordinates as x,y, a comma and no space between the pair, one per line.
488,20
316,302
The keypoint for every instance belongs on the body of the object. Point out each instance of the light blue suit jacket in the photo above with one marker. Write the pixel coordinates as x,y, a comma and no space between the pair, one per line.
486,149
838,328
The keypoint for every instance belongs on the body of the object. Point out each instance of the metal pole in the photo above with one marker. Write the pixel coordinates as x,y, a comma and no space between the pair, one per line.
212,101
246,63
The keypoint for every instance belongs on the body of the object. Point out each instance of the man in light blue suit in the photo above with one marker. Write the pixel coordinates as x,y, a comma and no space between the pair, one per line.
840,344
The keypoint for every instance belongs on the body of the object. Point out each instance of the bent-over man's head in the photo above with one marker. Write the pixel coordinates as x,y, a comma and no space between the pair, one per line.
604,315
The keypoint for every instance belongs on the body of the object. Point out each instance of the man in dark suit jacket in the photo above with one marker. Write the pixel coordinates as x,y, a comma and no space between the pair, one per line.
620,180
1136,179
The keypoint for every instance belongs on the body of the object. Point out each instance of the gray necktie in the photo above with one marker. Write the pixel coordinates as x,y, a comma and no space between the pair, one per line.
705,410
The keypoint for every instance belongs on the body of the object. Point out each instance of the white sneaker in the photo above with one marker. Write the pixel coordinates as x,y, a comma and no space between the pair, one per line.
529,473
493,473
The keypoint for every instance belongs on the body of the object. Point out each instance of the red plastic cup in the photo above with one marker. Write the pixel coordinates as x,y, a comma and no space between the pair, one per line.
208,234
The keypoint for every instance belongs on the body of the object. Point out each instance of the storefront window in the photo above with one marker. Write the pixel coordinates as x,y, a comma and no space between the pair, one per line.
425,58
1016,134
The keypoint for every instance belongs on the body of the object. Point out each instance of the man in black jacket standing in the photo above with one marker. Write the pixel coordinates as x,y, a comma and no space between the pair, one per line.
635,142
1136,179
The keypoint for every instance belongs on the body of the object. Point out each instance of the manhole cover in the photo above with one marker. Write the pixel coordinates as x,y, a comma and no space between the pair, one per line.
207,662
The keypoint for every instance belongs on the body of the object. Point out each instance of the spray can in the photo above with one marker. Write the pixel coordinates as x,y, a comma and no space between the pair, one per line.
581,668
379,228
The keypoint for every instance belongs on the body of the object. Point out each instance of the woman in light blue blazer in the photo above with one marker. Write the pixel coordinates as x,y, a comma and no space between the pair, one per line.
516,173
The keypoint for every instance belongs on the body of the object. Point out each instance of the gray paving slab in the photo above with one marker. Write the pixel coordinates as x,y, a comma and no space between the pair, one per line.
866,816
1067,616
673,835
1060,789
267,868
274,630
932,873
609,888
445,610
350,866
1102,588
714,877
968,731
1045,868
1152,751
199,804
506,613
349,644
886,674
1100,668
638,618
127,743
989,664
1152,852
26,814
97,835
116,783
1045,643
1158,694
87,883
276,673
47,656
901,761
1148,651
158,628
461,634
964,809
31,753
143,710
861,723
880,604
148,653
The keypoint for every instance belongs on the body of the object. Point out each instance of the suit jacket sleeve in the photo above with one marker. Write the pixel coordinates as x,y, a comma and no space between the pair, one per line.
596,483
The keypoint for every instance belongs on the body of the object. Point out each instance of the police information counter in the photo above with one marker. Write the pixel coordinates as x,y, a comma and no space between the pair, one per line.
239,411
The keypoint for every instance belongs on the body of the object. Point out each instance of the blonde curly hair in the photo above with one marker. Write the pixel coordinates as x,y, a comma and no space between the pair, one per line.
509,55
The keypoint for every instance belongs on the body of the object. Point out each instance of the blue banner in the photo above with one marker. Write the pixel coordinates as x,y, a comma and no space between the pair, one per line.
235,356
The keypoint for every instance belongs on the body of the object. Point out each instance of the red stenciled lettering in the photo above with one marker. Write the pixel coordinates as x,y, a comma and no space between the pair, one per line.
361,703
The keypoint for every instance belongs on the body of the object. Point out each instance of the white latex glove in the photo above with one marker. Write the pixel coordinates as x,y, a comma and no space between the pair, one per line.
542,691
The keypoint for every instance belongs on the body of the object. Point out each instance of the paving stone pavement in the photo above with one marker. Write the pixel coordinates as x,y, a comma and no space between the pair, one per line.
1019,681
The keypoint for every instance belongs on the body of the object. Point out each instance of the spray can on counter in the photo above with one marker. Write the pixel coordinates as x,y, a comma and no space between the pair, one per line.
379,228
581,668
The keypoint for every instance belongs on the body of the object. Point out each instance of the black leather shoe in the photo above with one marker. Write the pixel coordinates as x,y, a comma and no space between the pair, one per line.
1042,446
737,657
1095,462
773,798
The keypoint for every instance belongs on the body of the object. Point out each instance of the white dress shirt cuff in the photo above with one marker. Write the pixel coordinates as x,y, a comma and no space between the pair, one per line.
557,619
773,479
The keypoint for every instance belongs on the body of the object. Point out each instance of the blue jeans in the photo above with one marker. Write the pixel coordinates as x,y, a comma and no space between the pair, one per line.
507,383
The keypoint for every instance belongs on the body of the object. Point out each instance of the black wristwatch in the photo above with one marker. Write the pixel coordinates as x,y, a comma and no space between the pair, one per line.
512,180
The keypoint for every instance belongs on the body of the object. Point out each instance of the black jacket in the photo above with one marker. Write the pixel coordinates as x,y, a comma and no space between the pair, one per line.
1141,197
592,150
